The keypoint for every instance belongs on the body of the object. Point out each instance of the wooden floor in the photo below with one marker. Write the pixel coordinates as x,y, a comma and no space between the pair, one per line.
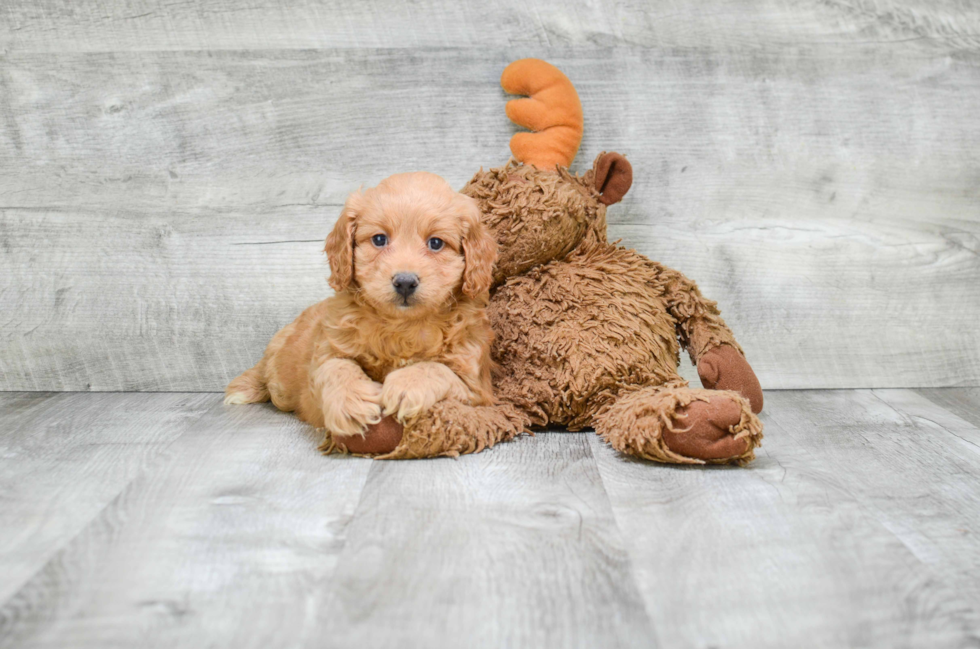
173,520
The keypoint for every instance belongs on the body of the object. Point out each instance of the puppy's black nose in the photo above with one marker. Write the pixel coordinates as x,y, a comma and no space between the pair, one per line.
405,283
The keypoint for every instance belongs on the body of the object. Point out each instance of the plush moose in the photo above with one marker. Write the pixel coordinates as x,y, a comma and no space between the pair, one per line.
587,333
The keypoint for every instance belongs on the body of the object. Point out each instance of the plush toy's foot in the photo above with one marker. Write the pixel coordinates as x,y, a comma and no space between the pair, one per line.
382,437
452,428
682,425
449,428
705,430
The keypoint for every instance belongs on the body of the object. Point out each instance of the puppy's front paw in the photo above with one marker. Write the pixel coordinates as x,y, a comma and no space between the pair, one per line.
406,397
359,408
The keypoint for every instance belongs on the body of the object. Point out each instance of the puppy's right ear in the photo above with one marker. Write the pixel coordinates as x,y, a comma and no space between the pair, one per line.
479,250
340,244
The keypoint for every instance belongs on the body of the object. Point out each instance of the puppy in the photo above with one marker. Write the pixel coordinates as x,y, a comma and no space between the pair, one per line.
411,266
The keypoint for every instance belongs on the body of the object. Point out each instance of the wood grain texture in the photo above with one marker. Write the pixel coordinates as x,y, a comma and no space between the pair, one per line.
856,526
152,301
962,402
227,541
245,536
516,548
138,25
813,165
165,520
64,458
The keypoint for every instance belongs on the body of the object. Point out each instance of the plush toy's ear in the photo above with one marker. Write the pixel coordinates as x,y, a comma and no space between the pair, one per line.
479,251
340,245
613,177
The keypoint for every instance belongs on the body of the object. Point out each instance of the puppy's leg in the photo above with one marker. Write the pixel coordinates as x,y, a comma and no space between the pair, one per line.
413,390
250,387
348,398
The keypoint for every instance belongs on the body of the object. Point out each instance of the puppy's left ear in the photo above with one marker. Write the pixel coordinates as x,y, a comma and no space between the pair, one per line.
479,251
340,245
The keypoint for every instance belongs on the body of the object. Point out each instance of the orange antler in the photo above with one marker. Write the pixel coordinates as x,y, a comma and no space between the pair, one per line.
552,110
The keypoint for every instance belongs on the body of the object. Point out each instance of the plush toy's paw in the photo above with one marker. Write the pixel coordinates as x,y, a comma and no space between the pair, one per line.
724,368
382,437
703,430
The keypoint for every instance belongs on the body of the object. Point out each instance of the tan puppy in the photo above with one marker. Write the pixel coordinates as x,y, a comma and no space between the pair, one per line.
411,266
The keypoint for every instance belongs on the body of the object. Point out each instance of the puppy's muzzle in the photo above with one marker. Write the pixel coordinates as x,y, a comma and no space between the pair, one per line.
405,284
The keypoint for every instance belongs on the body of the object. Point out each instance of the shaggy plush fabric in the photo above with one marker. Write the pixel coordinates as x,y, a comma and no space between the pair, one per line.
565,211
641,421
452,429
572,333
588,333
564,345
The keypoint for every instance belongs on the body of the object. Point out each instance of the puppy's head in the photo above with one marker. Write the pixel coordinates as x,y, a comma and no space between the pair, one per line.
410,245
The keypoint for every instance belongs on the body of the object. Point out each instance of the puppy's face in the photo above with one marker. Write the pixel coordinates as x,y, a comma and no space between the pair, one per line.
410,245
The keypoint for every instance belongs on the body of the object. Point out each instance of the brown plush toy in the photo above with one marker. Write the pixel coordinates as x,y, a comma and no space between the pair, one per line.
588,334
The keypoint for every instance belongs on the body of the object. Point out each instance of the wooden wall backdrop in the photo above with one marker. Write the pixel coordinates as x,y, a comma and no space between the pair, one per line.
169,170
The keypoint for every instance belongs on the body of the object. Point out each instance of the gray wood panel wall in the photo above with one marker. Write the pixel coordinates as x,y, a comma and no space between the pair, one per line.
168,172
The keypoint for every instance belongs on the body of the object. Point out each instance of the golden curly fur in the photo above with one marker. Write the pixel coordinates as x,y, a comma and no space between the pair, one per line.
587,334
371,350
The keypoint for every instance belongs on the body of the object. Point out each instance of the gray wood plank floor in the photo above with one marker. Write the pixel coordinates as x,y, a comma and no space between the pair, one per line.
173,520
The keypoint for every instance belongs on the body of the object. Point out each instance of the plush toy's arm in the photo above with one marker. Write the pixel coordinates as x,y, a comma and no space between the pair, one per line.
699,324
449,428
719,358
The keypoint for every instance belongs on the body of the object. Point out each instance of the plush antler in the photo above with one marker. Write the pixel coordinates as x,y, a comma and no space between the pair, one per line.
551,109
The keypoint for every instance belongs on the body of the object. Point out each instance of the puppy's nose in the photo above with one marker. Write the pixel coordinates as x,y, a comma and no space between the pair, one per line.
405,283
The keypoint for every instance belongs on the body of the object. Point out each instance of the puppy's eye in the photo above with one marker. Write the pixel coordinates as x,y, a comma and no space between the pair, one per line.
436,244
380,240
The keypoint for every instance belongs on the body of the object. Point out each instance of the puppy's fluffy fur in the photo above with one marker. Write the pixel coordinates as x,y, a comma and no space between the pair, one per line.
370,351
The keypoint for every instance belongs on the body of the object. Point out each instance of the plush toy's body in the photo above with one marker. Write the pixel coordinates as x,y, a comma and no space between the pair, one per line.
588,334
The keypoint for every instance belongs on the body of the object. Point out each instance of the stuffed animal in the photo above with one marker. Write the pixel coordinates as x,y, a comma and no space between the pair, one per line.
588,334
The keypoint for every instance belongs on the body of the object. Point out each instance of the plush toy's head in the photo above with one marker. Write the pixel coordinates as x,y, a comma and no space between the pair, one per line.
536,208
538,215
